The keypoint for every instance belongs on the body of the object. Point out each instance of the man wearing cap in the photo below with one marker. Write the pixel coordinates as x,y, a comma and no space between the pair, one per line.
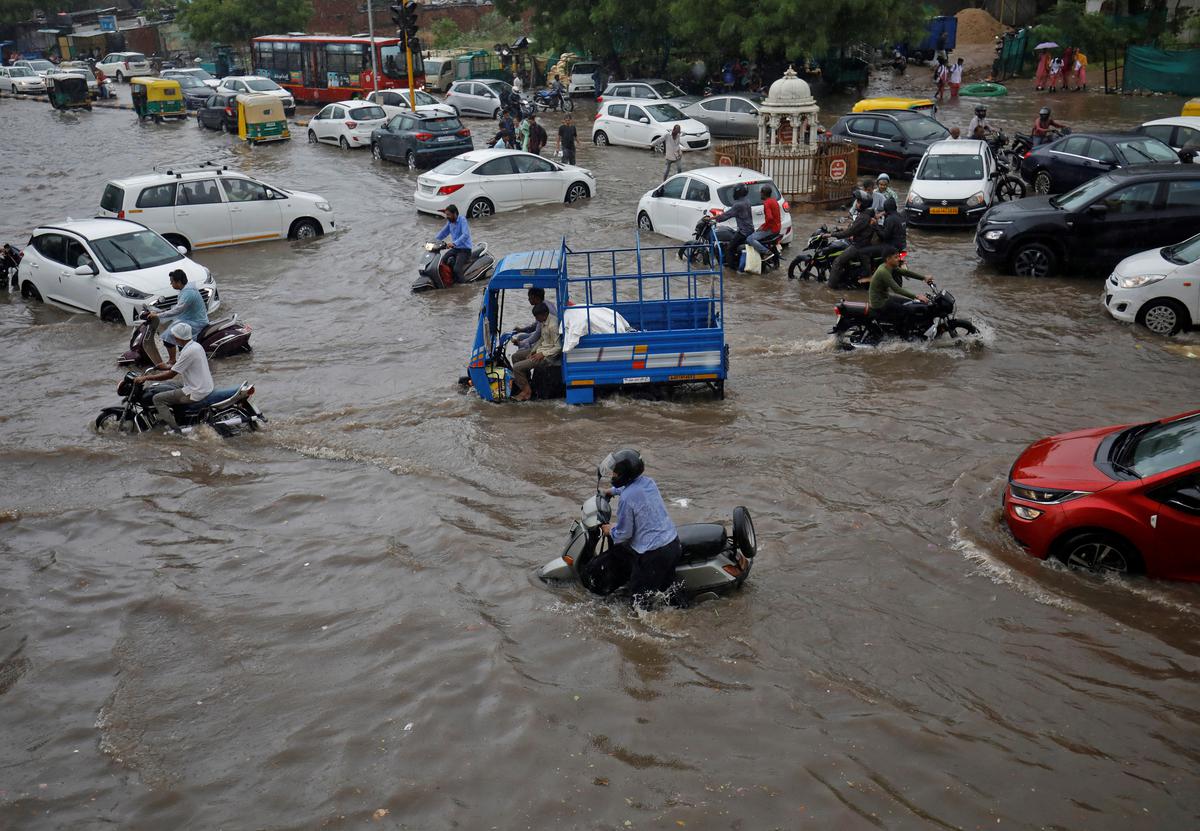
188,379
189,308
460,239
883,190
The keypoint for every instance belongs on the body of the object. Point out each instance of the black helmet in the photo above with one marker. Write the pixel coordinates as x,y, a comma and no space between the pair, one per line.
1044,112
889,205
981,110
862,198
622,467
739,192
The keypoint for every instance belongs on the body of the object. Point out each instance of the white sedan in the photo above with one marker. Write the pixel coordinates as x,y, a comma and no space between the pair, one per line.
395,102
21,80
1159,288
641,124
483,182
347,124
674,207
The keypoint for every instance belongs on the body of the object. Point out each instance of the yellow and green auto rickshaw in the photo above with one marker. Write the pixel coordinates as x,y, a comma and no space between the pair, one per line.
261,118
68,92
157,98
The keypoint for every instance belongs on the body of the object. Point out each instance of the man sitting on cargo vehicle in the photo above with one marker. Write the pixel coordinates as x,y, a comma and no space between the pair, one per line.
549,346
527,337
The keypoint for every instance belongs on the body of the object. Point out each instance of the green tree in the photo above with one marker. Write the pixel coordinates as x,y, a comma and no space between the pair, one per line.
616,30
237,21
445,32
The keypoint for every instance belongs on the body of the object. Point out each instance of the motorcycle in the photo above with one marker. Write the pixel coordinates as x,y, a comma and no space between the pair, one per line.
549,99
713,561
436,271
857,326
1009,185
220,339
732,246
229,411
899,62
815,260
10,264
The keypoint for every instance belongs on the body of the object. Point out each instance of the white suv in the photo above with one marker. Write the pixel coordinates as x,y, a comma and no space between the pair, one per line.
124,65
205,206
261,86
107,267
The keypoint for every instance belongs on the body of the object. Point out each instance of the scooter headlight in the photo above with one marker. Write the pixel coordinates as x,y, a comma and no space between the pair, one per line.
1137,281
130,292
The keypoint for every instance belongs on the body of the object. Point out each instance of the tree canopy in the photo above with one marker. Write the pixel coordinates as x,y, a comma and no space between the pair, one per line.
237,21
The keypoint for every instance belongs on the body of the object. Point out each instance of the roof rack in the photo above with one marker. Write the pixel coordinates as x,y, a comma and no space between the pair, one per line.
177,170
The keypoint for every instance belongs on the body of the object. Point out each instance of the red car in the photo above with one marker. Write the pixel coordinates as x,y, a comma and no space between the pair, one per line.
1124,499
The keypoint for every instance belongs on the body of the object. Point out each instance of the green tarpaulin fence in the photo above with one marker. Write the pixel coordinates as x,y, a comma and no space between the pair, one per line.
1158,71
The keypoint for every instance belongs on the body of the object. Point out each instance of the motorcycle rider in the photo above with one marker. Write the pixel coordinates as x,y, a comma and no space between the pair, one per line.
459,232
979,128
189,308
886,297
892,231
883,192
1043,126
743,216
859,233
643,531
191,368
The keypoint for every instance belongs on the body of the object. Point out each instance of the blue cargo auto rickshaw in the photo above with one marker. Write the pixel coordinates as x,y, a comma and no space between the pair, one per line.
630,317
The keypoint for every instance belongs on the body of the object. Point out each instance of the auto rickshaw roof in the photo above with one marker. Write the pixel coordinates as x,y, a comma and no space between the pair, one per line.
155,83
268,106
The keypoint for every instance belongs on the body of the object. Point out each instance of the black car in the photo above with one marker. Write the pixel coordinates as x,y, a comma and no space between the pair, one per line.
219,112
195,91
890,141
1070,161
421,139
1095,226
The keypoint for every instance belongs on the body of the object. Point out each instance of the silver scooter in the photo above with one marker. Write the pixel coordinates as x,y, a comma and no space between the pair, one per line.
436,271
713,561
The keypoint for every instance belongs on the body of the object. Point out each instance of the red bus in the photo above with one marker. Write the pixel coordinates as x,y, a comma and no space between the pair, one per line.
324,68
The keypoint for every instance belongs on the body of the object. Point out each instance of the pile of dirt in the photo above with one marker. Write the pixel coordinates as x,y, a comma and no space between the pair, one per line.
977,26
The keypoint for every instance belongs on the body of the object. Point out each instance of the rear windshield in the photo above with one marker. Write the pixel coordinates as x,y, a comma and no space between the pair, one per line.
664,112
584,68
666,89
446,124
453,167
725,194
129,252
113,199
134,57
367,113
262,85
951,168
1138,151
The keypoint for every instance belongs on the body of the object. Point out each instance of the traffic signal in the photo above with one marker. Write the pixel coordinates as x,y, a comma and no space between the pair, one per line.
404,15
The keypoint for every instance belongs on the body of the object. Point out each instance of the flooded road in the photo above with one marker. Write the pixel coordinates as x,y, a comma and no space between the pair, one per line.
336,621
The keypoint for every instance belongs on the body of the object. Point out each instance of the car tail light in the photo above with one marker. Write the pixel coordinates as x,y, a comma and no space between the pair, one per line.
837,310
464,132
446,190
903,256
423,136
715,211
121,214
786,206
1028,153
597,116
351,124
600,100
229,111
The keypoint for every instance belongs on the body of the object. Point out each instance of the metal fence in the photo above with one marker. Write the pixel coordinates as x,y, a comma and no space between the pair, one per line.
818,174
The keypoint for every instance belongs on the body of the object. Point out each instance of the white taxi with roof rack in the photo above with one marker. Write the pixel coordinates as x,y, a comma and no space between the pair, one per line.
674,207
107,267
206,206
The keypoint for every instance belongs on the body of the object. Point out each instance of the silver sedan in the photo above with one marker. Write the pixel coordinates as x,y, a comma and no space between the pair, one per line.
726,115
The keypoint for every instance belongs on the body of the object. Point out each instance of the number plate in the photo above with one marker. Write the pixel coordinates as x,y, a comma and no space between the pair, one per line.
445,138
642,379
943,210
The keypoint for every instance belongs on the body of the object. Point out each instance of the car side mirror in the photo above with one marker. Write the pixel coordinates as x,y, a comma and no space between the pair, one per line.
1099,211
181,249
899,140
643,121
1187,156
86,271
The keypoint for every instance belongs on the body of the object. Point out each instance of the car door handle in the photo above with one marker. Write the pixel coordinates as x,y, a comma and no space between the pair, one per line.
180,213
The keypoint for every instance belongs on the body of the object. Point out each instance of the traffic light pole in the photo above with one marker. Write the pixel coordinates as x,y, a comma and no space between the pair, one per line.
371,30
412,89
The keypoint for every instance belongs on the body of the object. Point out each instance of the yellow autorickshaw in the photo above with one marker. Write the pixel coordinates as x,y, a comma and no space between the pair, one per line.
1192,107
926,106
261,118
157,98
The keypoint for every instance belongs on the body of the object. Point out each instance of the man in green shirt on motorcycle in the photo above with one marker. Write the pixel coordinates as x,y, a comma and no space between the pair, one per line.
886,297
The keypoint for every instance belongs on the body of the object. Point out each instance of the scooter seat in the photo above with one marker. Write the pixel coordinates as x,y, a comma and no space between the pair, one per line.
477,252
216,326
701,539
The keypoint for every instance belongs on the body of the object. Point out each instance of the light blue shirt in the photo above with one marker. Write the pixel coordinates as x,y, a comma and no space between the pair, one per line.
642,519
459,233
189,308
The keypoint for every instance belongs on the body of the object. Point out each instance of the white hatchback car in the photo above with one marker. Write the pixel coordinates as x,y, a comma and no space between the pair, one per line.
954,184
674,207
583,78
1159,288
483,182
124,65
21,80
646,125
260,85
395,102
107,267
204,206
348,124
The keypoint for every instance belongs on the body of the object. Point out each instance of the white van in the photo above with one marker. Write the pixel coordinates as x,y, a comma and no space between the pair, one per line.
205,206
439,73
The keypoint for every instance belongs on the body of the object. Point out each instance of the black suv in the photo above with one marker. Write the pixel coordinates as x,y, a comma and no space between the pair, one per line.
890,141
420,139
1095,226
219,112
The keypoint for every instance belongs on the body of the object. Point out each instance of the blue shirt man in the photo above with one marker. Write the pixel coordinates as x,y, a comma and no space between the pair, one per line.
460,239
643,532
189,308
642,519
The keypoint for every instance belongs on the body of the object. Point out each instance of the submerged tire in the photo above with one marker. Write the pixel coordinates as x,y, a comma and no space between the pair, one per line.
110,421
1034,259
957,328
800,268
1100,551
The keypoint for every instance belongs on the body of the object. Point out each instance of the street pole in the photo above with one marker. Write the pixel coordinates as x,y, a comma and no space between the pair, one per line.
371,30
412,89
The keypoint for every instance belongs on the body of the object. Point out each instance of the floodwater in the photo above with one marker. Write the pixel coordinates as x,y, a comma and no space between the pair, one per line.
336,622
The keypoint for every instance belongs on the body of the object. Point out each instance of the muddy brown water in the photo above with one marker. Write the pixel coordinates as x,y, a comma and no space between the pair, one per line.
336,622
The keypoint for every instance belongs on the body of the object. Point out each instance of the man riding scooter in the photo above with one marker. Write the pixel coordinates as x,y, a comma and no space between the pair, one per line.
1045,127
189,308
457,230
860,232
